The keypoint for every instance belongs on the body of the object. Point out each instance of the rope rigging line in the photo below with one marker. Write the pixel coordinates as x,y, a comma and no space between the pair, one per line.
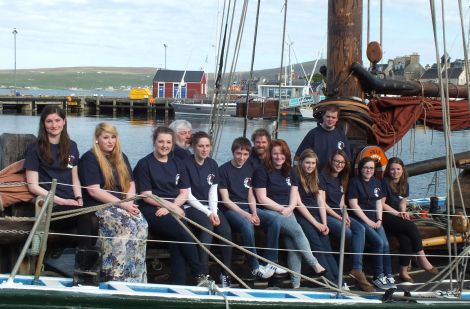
276,127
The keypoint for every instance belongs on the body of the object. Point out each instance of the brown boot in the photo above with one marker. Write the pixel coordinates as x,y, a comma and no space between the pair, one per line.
361,280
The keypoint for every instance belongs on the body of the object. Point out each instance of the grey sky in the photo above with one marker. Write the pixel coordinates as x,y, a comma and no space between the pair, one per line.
59,33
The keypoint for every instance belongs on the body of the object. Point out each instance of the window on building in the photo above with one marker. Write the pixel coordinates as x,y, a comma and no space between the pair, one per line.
161,90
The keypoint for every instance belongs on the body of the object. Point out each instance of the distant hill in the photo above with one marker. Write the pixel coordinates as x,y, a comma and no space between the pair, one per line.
113,77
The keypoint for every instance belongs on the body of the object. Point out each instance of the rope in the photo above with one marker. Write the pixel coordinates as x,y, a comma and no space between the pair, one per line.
465,53
276,127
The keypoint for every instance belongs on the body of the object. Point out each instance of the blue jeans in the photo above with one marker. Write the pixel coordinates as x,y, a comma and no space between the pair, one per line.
355,234
321,245
380,248
297,244
269,223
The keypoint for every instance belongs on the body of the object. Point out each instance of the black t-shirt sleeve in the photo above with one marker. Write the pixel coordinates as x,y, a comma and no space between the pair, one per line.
89,170
353,189
142,177
32,160
260,178
223,177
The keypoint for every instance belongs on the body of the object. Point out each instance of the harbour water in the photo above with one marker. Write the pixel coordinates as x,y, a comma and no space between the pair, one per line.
136,131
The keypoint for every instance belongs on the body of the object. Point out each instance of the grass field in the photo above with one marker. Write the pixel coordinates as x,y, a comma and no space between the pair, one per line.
80,77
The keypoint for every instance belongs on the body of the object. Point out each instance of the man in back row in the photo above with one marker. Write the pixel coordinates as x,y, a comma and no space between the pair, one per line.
326,138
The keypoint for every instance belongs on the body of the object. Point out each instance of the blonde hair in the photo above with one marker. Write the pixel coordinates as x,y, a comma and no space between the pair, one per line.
308,181
115,158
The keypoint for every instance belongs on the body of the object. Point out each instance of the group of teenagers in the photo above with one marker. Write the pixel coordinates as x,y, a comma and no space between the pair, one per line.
297,205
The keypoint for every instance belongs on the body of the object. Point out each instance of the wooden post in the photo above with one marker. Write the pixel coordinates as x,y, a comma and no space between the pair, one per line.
344,47
114,106
97,105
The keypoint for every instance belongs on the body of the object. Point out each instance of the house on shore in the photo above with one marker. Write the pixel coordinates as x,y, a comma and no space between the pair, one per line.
404,68
455,72
179,84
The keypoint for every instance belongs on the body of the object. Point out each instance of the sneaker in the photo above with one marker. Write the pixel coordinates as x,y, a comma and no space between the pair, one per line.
391,282
345,287
277,270
225,281
262,272
381,282
201,280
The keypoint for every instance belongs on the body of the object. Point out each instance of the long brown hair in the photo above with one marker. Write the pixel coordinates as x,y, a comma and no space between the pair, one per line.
287,166
400,187
44,146
344,174
115,158
308,181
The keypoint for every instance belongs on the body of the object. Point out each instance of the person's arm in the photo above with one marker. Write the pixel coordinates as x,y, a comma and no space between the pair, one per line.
294,200
224,195
378,207
323,228
353,203
389,208
322,206
194,202
77,189
403,211
32,178
264,200
213,198
174,206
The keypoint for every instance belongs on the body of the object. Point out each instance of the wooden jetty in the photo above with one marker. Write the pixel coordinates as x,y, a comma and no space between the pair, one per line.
86,103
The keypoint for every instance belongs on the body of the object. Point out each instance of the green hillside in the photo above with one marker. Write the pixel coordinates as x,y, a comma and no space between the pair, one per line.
80,77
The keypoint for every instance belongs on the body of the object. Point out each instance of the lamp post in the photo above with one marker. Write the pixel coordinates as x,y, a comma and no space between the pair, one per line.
15,32
164,45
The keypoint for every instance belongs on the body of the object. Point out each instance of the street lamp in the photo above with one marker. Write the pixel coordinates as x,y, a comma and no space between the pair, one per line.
164,45
15,32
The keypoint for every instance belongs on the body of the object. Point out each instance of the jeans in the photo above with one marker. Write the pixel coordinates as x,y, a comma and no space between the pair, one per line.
380,248
321,244
223,229
268,222
355,234
297,244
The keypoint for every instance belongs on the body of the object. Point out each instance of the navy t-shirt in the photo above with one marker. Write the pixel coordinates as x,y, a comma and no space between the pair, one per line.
308,199
393,199
164,179
90,174
33,162
237,181
333,190
255,160
277,186
367,193
181,153
202,177
324,143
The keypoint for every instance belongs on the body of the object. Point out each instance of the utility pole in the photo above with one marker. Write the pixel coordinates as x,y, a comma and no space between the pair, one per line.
15,32
164,45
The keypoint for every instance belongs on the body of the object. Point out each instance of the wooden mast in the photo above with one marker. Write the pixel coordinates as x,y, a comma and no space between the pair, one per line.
344,47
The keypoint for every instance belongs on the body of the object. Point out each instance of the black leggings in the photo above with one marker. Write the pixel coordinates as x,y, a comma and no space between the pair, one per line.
183,252
223,230
407,234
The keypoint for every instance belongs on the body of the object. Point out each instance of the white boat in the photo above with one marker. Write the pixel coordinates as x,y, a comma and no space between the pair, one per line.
200,108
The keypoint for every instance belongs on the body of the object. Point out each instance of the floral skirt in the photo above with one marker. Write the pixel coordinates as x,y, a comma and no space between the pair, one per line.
123,240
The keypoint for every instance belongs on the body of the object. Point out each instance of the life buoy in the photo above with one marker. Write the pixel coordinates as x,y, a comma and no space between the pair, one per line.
379,156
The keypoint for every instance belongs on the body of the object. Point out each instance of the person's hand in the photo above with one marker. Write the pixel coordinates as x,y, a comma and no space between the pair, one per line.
161,212
131,208
69,202
323,228
405,215
286,211
214,219
255,220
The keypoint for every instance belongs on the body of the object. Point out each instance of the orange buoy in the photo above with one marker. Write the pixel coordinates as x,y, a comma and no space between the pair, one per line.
379,156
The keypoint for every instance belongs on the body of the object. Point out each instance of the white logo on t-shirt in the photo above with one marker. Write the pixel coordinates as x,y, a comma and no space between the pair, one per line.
247,182
340,145
210,179
177,179
377,192
288,181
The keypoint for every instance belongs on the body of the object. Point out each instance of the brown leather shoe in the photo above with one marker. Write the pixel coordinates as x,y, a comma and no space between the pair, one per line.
432,271
359,276
406,279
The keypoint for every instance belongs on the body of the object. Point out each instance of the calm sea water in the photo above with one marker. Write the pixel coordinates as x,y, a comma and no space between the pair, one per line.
135,133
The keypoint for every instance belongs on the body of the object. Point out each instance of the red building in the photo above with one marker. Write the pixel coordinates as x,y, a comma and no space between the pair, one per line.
179,84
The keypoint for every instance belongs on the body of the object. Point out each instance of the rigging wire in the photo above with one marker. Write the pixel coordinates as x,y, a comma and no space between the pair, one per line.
465,51
276,127
253,53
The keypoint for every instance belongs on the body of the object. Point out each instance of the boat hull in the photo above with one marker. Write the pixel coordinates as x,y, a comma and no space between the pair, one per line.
202,109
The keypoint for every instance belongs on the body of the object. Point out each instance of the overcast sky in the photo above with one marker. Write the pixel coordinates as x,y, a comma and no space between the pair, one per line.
60,33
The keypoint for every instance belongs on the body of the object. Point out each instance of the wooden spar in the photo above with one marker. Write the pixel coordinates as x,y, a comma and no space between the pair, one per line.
373,84
344,47
433,165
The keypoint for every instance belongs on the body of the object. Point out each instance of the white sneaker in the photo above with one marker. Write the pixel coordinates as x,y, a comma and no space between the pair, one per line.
225,281
262,272
345,287
277,270
391,282
381,282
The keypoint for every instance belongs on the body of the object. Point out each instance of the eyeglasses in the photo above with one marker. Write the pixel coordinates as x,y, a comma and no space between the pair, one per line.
371,168
339,162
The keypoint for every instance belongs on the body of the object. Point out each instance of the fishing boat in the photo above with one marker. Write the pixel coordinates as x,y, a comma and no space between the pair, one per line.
448,288
203,108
